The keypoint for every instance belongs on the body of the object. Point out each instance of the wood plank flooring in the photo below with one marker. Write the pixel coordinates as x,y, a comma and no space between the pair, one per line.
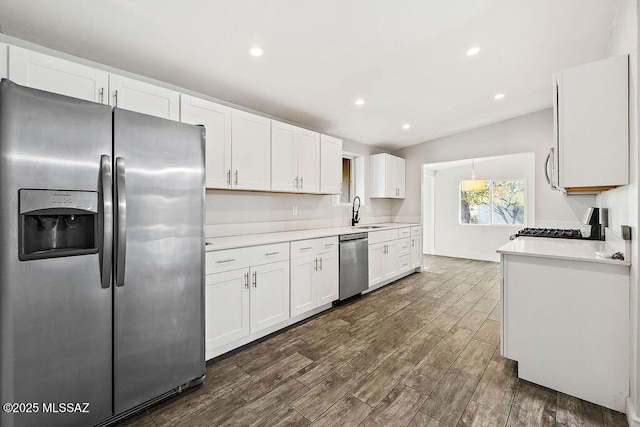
422,351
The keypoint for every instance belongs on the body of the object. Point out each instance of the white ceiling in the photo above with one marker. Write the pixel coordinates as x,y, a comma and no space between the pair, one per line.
406,58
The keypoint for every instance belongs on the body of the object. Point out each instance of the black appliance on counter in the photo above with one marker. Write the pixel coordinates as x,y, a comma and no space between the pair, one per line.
550,232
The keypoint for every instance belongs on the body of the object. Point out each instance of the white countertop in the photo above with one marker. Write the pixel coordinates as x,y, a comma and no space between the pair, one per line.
218,243
570,249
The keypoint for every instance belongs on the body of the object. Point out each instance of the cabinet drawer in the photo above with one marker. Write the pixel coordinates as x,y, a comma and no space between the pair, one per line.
404,263
404,246
313,246
404,232
416,231
232,259
382,236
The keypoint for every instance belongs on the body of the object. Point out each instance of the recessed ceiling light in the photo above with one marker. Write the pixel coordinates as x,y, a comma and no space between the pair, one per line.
406,126
359,102
472,51
498,96
256,51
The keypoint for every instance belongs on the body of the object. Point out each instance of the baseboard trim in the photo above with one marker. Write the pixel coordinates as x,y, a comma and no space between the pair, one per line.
632,418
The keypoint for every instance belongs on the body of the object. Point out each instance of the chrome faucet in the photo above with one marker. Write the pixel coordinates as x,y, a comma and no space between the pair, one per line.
354,212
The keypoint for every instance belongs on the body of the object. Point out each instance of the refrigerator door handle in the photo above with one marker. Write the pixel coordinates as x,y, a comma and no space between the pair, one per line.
121,237
107,221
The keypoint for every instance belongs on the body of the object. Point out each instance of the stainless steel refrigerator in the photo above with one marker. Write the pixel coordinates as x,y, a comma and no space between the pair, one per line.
101,259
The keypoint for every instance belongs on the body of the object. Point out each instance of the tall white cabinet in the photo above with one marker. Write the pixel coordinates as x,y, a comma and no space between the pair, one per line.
295,159
44,72
387,175
591,150
4,60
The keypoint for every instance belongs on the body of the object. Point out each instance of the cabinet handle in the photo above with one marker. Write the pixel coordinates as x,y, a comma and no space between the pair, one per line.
327,245
115,98
229,177
412,242
225,260
255,279
101,93
271,253
315,264
305,248
246,280
296,180
302,183
236,177
320,263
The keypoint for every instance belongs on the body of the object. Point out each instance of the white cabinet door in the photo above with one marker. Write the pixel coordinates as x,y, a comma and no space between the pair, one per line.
377,253
399,177
217,122
145,98
40,71
269,295
327,277
284,157
251,157
226,307
309,160
330,165
592,124
303,286
4,63
416,252
390,189
390,265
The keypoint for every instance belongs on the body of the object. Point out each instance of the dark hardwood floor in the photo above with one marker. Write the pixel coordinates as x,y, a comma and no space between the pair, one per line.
420,352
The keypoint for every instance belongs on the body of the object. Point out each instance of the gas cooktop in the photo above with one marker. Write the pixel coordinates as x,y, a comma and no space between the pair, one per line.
550,232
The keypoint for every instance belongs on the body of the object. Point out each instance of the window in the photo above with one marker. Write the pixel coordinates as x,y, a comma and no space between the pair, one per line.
503,202
347,180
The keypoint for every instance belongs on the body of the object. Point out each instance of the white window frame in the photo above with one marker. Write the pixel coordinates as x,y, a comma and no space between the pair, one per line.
357,179
490,188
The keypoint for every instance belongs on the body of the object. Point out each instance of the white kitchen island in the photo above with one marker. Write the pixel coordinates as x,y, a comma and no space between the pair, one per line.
566,317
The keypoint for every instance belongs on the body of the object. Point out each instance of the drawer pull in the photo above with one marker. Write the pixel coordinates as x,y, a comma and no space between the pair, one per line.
271,253
329,244
305,248
225,260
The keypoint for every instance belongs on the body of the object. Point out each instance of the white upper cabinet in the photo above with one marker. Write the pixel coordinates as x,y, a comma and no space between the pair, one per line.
44,72
251,156
217,122
387,175
591,126
284,157
4,60
142,97
330,165
295,159
309,160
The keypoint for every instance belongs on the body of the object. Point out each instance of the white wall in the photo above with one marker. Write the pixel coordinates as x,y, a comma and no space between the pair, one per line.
471,240
623,201
531,133
230,213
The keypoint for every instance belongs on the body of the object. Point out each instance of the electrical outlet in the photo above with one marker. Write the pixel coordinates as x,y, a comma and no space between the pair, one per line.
294,210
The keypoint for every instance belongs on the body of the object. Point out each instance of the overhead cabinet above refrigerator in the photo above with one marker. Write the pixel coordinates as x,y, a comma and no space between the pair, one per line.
591,127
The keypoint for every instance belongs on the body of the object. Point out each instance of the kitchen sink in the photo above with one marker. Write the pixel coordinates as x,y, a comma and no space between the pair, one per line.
368,227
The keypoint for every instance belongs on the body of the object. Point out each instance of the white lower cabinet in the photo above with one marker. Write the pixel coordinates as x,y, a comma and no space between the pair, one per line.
246,291
416,247
227,307
269,293
383,261
314,274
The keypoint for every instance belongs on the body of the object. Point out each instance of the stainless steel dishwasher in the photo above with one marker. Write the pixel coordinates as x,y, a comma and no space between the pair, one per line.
354,264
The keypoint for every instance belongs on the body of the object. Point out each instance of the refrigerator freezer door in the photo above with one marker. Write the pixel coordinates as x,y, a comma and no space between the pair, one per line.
158,307
55,316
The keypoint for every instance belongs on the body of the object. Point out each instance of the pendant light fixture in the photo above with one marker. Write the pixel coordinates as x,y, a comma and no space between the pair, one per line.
473,184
